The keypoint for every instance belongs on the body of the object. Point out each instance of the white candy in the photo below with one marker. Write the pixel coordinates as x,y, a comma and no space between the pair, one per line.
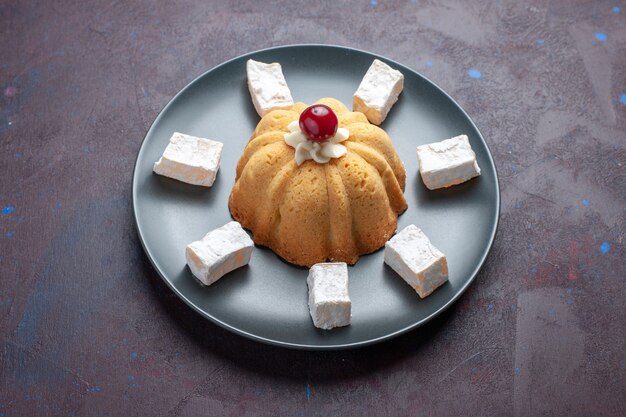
219,252
268,88
378,91
329,302
446,163
416,260
190,159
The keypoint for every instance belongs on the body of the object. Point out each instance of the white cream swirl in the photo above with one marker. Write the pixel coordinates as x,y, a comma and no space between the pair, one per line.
320,152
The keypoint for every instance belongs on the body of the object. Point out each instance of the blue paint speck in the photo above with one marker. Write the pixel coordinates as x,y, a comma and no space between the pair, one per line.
539,41
517,371
474,73
307,391
514,168
622,99
429,64
94,389
18,155
489,308
134,355
131,378
8,210
133,35
35,75
9,234
585,202
615,9
605,247
373,3
601,36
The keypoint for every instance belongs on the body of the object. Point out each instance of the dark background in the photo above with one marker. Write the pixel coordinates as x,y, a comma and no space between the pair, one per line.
88,328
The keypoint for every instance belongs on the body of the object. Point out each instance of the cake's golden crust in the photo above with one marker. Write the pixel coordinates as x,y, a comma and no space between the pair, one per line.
317,212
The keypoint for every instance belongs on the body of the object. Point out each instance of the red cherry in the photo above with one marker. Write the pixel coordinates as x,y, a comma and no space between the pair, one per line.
318,122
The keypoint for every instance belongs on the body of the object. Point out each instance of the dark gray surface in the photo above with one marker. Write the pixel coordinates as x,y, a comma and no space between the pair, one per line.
87,326
267,300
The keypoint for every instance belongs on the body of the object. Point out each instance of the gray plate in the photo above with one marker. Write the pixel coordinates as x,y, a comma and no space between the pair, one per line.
267,300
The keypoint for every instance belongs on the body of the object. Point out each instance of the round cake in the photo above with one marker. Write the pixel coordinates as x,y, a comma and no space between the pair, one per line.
310,212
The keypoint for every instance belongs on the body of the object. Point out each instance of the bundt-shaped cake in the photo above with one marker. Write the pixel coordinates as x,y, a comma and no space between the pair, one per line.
314,212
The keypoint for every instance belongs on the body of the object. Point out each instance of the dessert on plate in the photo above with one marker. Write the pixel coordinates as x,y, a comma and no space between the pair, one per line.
319,183
447,163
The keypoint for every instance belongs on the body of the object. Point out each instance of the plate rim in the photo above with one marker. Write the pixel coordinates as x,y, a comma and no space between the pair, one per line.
304,346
